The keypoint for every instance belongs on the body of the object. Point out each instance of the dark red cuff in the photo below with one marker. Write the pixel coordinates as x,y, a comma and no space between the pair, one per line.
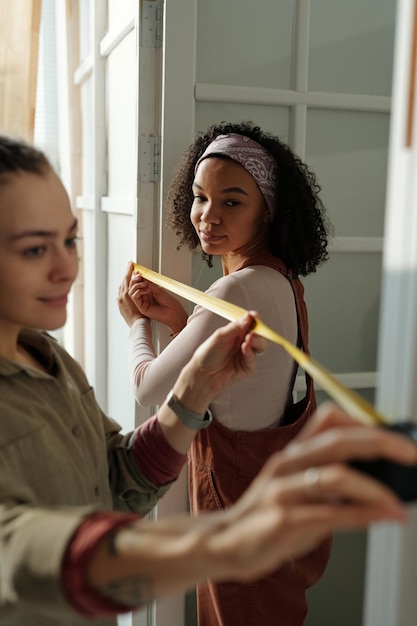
80,595
154,456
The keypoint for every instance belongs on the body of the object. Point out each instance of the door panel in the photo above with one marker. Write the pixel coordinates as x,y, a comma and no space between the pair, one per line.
318,75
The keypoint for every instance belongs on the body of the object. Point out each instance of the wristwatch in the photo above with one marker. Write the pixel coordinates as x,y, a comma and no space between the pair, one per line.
197,421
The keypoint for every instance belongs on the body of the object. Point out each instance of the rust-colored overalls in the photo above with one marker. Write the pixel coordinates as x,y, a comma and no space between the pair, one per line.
222,464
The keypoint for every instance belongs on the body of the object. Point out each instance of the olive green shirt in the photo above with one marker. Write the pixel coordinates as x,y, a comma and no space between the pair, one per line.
61,458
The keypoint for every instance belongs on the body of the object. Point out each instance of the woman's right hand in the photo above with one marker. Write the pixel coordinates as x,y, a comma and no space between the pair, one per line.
307,491
138,297
303,493
127,307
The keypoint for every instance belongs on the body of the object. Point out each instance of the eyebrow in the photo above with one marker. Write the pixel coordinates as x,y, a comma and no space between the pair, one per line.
41,233
226,190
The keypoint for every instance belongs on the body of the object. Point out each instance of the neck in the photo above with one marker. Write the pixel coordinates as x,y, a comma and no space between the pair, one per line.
26,358
233,260
11,349
9,341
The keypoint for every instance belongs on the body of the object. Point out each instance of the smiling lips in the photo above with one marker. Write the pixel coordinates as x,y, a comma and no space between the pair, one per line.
58,301
208,237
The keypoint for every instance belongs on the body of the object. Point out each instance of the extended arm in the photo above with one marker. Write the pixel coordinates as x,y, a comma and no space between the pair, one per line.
37,521
225,357
152,376
282,515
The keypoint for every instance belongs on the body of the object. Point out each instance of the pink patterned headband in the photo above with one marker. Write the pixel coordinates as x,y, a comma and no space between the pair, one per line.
254,158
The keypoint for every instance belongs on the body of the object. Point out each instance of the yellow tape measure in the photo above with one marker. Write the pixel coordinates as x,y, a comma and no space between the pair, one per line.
348,400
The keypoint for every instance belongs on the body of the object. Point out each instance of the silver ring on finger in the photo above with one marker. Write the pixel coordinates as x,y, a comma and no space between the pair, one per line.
312,483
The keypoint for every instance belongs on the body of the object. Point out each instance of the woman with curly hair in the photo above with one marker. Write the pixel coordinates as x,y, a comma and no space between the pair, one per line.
241,194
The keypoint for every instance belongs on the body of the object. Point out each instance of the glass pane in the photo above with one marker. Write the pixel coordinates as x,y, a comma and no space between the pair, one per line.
352,46
343,304
246,44
348,152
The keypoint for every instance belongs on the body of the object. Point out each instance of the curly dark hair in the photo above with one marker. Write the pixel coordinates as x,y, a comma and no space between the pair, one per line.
299,230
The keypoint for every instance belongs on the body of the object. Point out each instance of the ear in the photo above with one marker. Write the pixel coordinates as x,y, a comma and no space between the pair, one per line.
267,216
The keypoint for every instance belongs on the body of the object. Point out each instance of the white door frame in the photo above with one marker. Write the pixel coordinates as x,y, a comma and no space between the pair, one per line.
391,597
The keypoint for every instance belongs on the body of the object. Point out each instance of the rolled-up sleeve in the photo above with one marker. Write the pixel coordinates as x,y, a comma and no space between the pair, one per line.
33,543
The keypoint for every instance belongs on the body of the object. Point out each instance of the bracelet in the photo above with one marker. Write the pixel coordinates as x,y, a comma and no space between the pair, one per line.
196,421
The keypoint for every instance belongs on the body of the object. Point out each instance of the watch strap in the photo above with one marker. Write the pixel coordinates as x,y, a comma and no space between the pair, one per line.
196,421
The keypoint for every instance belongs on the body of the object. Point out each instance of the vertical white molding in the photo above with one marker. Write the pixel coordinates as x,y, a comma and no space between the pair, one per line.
69,125
178,129
179,77
149,103
391,587
301,40
298,130
300,55
95,339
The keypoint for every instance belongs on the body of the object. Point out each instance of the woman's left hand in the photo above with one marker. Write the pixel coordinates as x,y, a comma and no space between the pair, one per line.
226,356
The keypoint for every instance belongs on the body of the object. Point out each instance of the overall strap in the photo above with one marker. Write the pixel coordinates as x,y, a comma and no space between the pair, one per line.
300,305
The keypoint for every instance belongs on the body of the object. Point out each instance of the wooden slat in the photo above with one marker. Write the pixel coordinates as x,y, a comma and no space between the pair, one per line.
412,83
19,41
